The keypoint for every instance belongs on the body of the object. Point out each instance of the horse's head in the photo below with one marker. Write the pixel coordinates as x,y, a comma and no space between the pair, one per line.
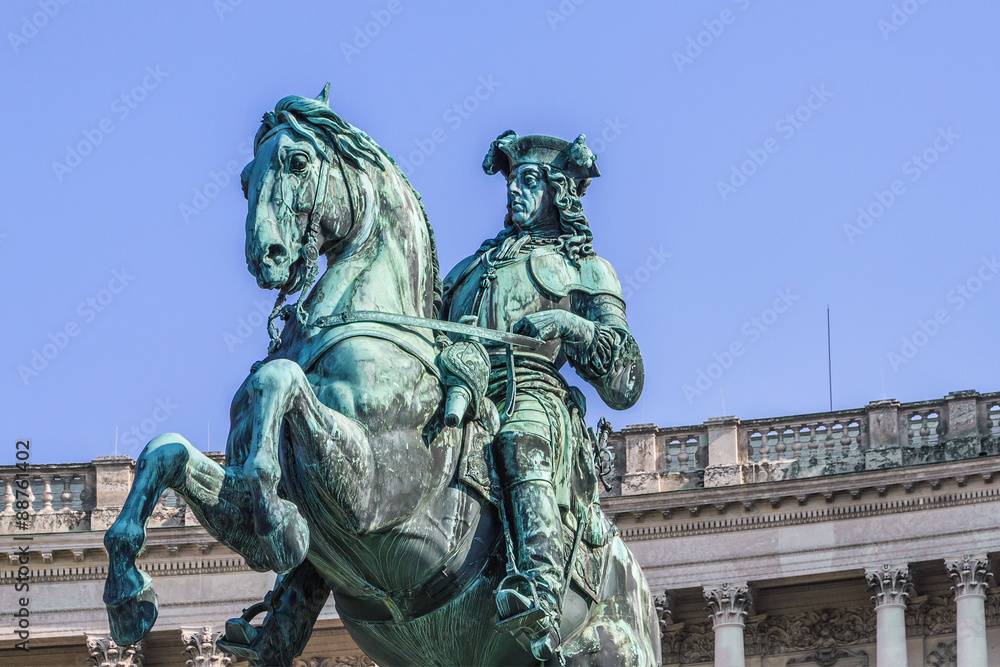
299,199
317,185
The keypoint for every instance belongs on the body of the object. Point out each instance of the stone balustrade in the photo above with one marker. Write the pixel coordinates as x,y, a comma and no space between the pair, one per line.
68,497
884,434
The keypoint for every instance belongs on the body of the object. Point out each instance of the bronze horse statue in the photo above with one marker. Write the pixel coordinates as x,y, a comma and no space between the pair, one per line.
343,473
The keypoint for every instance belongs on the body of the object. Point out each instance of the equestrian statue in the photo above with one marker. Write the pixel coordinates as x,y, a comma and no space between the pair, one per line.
409,445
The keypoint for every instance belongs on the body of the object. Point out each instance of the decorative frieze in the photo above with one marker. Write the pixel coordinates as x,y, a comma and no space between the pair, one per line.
946,655
929,616
104,652
687,643
890,584
199,646
810,631
828,657
969,575
341,661
728,602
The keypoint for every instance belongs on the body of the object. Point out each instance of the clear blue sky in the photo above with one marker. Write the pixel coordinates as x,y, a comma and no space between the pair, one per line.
830,103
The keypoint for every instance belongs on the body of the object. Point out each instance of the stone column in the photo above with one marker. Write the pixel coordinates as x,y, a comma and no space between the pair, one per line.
969,575
891,587
729,604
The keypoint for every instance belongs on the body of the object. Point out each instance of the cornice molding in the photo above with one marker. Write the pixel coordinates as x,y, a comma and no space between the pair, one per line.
155,569
747,511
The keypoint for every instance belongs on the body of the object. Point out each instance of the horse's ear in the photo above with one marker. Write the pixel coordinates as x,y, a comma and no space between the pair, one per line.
324,95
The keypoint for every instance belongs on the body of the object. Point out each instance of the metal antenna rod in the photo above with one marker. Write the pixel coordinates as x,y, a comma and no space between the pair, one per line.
829,356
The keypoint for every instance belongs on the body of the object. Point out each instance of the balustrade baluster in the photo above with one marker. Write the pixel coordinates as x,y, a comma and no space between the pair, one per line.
812,446
846,440
46,494
67,495
31,495
827,442
764,449
8,497
682,458
796,443
672,464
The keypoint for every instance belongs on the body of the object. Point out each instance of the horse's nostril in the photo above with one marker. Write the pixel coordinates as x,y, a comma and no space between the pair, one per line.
276,253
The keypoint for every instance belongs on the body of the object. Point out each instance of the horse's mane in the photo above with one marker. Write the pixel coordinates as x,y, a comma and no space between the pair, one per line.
313,118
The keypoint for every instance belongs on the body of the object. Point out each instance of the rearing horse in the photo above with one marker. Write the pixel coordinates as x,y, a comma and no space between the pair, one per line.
340,473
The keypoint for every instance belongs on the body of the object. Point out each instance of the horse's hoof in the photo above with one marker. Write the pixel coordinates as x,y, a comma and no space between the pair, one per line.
132,616
285,540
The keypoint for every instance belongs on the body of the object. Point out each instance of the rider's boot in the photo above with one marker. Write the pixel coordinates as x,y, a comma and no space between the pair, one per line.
532,600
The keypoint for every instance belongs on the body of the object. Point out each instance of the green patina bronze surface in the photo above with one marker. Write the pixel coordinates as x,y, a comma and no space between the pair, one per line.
441,485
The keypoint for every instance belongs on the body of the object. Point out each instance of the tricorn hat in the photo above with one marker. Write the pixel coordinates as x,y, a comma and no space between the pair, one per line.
509,151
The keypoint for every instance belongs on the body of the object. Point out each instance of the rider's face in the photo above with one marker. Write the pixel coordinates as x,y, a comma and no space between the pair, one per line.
529,197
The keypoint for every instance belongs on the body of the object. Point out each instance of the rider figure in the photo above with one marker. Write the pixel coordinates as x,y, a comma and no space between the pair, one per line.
540,277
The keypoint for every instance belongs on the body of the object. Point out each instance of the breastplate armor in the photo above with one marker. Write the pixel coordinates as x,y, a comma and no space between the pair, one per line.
499,292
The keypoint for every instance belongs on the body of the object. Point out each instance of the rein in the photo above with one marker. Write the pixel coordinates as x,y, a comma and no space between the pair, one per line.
471,330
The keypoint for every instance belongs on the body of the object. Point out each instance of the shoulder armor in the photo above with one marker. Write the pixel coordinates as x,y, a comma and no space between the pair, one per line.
457,273
556,275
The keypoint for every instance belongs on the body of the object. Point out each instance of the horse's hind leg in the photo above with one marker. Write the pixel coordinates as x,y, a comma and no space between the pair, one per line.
624,630
218,498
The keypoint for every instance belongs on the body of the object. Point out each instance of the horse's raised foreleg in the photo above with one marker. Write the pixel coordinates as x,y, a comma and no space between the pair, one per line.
219,499
280,392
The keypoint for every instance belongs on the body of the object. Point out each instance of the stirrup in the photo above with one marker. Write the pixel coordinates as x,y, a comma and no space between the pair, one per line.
519,613
240,635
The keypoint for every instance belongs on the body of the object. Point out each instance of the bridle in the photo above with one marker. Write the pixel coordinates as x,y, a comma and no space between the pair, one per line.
309,251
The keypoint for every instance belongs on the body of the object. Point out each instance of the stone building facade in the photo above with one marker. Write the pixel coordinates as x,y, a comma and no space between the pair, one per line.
848,538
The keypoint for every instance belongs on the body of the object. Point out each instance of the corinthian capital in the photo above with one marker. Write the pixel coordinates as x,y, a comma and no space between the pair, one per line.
969,574
199,646
890,584
104,652
729,603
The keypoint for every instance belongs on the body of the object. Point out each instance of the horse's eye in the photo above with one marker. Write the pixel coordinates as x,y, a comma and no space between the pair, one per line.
298,163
